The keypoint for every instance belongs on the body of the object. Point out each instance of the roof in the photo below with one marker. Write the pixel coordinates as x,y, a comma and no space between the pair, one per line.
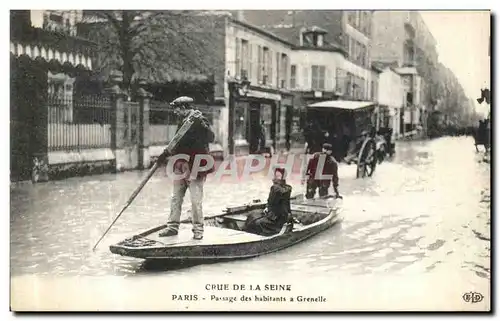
343,104
267,32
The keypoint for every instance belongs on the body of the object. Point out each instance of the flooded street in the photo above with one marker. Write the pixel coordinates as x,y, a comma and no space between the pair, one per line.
424,215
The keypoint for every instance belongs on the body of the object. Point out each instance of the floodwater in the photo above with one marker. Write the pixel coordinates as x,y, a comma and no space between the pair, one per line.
418,229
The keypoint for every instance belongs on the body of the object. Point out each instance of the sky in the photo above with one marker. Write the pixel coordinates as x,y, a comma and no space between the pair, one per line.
462,44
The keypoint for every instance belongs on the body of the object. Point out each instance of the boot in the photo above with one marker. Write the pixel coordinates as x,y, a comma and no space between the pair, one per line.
168,232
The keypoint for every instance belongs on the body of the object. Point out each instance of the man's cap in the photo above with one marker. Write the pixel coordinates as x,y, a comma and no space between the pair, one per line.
327,146
181,101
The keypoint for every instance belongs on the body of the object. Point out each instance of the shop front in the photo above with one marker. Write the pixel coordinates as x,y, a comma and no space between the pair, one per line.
256,121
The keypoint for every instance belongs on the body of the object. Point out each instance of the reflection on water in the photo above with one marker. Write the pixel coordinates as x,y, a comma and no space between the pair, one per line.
425,211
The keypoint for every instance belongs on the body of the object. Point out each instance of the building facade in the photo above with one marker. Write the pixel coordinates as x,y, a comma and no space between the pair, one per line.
330,57
391,99
262,61
324,34
47,64
402,39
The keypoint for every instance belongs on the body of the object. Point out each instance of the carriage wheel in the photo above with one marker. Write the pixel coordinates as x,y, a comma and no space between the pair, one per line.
367,160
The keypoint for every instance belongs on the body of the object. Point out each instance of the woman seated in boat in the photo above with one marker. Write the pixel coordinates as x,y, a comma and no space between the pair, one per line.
277,211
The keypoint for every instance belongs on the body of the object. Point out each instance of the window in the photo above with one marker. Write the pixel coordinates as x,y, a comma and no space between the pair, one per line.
340,82
307,39
361,22
237,58
270,66
351,18
361,88
250,62
345,41
319,40
305,77
267,116
318,77
240,113
363,56
356,51
409,56
349,85
374,91
409,99
351,49
260,64
367,23
355,88
266,66
283,71
244,58
278,69
293,75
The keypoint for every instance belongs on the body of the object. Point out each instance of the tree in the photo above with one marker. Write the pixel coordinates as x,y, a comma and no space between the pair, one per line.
148,44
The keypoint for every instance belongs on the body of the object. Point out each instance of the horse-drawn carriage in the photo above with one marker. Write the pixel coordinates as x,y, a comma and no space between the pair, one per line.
353,130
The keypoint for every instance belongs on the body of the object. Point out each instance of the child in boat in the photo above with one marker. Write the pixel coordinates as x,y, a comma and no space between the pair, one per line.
277,211
330,167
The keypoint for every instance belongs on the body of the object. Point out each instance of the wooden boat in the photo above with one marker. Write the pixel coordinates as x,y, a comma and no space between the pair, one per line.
223,238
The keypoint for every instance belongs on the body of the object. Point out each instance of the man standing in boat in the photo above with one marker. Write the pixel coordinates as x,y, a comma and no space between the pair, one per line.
330,168
194,142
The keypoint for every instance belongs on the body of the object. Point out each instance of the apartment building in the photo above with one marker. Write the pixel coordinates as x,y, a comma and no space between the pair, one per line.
402,39
257,64
331,49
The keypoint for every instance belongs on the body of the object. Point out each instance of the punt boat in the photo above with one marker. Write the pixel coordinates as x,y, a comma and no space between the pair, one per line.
224,238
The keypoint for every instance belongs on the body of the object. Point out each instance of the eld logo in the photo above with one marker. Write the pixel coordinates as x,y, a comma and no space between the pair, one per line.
473,297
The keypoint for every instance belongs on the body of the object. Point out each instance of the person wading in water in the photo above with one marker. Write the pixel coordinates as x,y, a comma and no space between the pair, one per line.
195,142
277,211
330,167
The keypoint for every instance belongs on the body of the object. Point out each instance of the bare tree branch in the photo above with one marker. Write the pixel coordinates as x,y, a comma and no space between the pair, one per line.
154,44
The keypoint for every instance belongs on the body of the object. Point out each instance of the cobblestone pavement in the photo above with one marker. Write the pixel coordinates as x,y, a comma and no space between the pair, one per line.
424,211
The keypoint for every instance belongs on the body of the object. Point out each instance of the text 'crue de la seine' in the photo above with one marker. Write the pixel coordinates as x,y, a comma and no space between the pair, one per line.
250,287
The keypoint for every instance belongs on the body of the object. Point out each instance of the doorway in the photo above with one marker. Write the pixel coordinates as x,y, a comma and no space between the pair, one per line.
254,128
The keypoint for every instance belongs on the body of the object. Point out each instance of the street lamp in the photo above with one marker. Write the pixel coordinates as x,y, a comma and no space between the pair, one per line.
244,86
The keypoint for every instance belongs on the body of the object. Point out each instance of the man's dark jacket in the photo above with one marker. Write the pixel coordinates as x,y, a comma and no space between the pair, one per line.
195,142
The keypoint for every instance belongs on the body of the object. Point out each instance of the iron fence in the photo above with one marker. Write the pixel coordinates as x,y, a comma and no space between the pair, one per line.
76,123
163,121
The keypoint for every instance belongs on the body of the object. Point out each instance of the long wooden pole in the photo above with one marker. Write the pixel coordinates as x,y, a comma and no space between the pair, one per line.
130,200
170,147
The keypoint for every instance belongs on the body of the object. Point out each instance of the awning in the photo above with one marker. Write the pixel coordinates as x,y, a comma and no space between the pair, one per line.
343,104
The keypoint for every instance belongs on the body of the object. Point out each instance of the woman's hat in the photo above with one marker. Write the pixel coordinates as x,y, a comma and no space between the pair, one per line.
281,170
